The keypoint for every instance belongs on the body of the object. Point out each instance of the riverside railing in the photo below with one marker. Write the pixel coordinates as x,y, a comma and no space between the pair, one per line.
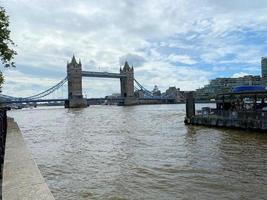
3,130
235,114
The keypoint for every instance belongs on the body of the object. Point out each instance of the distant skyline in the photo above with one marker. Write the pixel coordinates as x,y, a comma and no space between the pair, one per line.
182,43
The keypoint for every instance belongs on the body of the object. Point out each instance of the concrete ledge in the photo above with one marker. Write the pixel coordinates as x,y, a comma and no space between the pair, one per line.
22,179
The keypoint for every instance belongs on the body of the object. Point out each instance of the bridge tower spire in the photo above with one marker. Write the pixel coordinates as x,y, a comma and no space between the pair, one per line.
75,96
127,85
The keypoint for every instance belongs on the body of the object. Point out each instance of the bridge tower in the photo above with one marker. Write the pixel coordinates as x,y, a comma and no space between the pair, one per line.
127,85
75,96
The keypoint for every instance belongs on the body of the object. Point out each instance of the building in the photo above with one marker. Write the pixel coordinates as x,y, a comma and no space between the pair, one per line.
172,93
264,70
175,93
222,85
156,91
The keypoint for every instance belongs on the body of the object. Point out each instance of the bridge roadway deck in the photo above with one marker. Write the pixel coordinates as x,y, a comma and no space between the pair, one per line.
21,176
102,74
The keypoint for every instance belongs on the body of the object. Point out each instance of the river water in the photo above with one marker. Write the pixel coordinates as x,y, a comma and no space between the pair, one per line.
142,152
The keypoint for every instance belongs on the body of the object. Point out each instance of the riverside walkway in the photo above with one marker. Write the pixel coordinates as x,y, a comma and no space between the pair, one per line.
22,179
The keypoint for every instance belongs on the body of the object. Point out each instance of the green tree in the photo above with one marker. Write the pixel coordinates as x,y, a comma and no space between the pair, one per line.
6,52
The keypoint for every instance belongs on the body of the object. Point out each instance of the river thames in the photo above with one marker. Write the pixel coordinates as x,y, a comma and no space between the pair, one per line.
142,152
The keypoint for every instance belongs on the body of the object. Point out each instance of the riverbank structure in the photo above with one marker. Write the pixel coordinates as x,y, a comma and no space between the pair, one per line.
242,109
224,84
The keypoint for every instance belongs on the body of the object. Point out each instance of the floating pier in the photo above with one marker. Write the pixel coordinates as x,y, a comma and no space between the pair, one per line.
241,110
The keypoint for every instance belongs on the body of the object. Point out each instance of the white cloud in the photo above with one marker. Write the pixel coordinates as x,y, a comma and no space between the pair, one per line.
162,32
182,59
239,74
165,74
132,59
22,85
219,68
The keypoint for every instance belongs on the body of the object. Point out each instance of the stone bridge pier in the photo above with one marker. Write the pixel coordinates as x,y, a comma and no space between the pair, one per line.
75,96
127,85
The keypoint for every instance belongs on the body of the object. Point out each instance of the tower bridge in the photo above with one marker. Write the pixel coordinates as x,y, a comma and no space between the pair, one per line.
75,97
74,77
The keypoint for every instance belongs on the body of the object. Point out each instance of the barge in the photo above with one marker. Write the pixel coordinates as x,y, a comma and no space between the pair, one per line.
243,108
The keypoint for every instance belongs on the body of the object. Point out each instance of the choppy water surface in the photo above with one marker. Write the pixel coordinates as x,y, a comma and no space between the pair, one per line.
142,152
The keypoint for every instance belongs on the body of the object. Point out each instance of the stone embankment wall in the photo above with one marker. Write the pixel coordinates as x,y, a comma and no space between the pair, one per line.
22,179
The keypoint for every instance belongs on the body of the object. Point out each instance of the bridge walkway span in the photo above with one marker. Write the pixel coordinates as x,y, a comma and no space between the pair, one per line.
102,74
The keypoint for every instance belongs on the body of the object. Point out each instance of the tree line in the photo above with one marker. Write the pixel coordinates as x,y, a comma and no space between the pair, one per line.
7,52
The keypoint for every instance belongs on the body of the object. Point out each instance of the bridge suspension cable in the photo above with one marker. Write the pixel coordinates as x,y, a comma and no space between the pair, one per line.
147,92
36,96
48,91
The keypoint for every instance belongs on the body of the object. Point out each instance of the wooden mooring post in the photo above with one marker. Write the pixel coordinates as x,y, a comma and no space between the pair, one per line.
190,106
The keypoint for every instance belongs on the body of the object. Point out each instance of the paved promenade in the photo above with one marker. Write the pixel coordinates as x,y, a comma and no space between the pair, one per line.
22,179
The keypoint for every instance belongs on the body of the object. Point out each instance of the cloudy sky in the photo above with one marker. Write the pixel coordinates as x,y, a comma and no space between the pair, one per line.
182,43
